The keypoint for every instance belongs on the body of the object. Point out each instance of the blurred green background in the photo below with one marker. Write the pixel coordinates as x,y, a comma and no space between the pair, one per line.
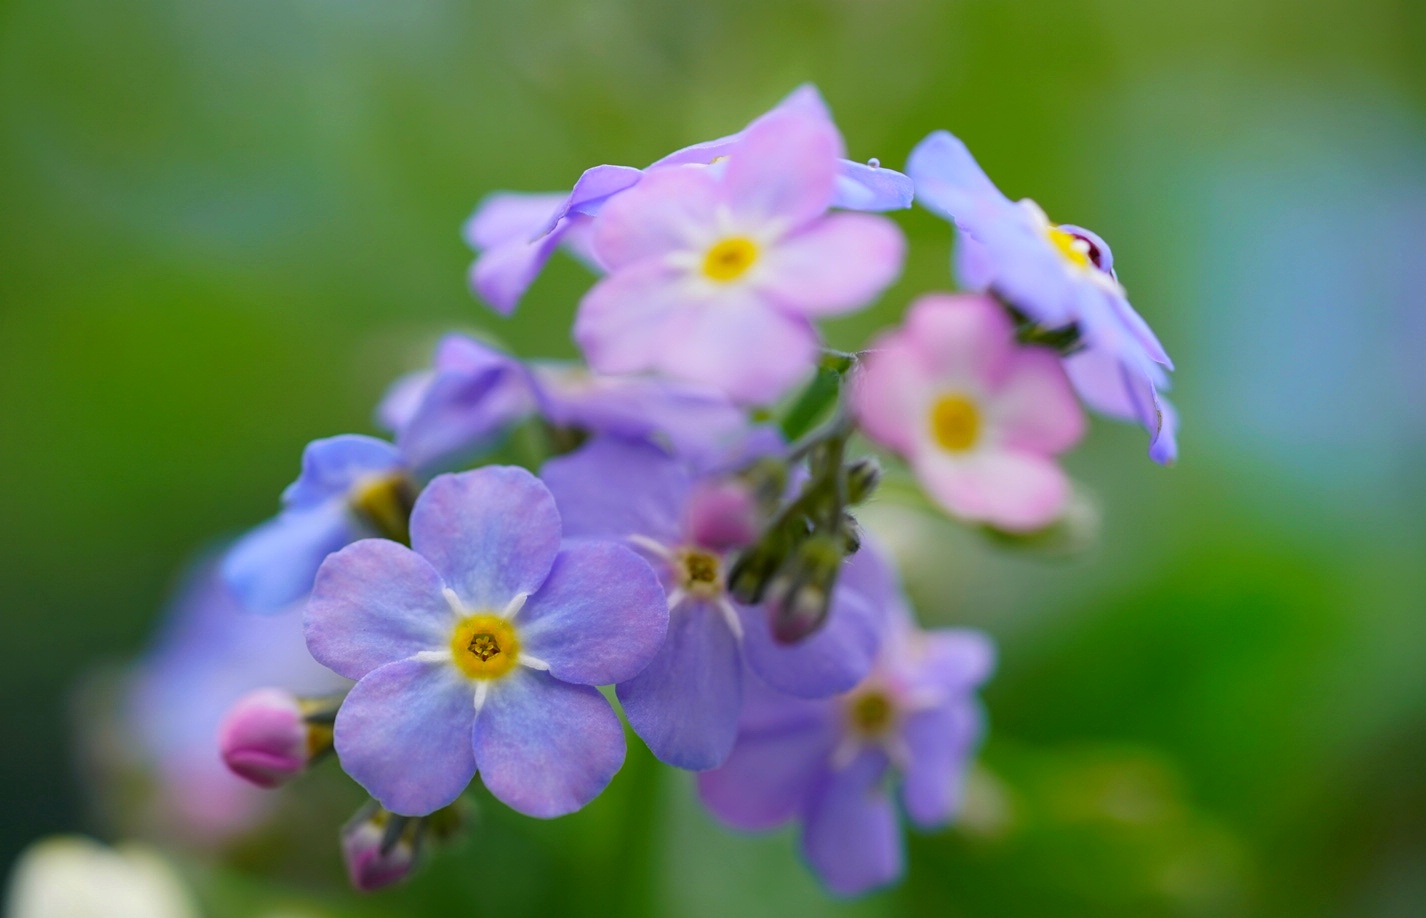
225,226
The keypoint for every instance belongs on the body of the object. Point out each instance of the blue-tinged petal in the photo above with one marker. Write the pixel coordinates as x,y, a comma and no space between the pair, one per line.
839,654
333,465
545,747
685,704
612,489
871,188
491,533
403,733
939,743
375,602
851,837
600,616
949,182
274,565
774,765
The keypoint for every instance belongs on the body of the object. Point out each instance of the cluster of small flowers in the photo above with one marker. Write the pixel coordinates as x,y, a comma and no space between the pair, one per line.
667,538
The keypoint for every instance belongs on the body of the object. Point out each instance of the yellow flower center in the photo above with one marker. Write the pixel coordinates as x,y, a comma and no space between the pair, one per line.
730,259
698,573
871,713
484,646
955,423
1072,248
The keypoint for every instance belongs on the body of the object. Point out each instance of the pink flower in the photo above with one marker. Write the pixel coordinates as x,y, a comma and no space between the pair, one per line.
716,272
979,417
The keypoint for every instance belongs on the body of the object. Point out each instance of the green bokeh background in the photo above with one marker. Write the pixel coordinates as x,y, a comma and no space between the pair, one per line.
225,226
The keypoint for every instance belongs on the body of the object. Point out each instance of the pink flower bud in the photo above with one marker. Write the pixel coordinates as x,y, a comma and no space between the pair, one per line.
264,737
368,866
723,515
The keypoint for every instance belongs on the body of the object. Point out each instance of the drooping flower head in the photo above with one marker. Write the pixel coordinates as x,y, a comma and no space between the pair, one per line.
716,274
477,649
685,704
351,487
826,762
978,416
515,234
1057,276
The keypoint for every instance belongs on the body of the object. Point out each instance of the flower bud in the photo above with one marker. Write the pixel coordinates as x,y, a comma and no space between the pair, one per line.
266,737
801,594
723,515
380,848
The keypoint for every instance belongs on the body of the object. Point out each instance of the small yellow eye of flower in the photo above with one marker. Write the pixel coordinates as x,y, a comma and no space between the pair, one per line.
955,423
730,259
1072,248
871,713
484,646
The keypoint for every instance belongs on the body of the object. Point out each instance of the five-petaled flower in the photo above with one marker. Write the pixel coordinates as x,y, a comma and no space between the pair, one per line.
825,762
717,273
1057,276
478,649
979,417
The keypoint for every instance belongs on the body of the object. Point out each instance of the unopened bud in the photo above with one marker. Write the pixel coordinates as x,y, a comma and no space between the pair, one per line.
266,737
722,515
862,478
380,848
801,594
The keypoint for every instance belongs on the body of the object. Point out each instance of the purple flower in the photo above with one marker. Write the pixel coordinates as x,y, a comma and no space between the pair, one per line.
1057,276
350,487
716,275
209,654
474,394
515,234
477,649
825,763
685,704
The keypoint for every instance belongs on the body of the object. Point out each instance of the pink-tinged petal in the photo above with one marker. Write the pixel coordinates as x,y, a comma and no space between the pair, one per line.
506,216
784,171
403,733
685,704
960,340
890,392
837,264
670,210
491,533
625,319
502,273
600,616
939,743
545,747
773,767
750,351
851,836
375,602
1014,491
1035,409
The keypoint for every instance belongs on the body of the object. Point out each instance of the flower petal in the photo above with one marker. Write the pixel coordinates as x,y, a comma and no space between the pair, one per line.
685,704
491,533
840,653
1035,409
1012,490
375,602
273,566
600,616
784,170
545,747
670,210
403,733
612,488
834,265
851,837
